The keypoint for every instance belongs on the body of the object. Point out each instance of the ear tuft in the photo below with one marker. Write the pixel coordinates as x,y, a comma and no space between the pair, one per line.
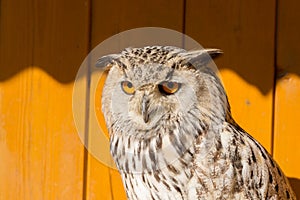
107,60
198,58
214,52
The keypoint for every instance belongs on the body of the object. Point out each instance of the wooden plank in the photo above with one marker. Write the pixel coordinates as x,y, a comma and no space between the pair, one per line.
117,16
55,135
61,37
61,43
15,48
244,30
15,55
14,136
41,145
286,138
43,156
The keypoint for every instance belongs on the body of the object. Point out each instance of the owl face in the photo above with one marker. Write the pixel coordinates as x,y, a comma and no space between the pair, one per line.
147,95
151,86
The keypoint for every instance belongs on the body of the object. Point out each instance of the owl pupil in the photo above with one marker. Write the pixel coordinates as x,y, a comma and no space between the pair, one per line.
170,84
129,84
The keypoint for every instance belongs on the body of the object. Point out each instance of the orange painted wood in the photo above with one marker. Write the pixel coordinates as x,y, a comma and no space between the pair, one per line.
286,138
61,37
244,30
41,154
15,170
54,133
15,45
112,17
15,54
60,44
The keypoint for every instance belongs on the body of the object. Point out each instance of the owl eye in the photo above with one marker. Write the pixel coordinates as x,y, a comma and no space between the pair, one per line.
169,87
127,87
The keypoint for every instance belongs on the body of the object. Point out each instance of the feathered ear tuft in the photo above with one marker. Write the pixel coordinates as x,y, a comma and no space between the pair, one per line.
107,60
213,53
200,57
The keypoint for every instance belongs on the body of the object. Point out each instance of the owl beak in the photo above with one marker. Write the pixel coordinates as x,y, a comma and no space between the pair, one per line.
145,114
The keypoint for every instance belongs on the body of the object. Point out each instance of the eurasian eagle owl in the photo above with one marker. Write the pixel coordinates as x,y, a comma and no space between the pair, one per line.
172,135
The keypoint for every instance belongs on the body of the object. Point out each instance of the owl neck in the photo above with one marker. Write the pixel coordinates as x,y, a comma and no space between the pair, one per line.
168,148
171,179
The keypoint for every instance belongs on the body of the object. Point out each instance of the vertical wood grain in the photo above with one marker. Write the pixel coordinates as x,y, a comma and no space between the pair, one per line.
14,137
42,46
286,138
16,37
15,54
60,45
110,18
244,30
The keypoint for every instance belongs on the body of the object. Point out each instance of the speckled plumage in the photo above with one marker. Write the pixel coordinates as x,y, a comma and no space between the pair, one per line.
187,146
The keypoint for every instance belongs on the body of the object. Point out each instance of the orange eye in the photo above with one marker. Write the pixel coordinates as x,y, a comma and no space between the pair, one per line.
127,87
169,87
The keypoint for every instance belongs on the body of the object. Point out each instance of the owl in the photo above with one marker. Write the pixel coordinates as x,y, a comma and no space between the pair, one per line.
172,135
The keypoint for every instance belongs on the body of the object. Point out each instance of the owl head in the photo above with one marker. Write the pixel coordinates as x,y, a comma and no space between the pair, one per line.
158,91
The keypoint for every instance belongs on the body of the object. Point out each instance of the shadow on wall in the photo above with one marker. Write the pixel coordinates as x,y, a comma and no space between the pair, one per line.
65,71
295,183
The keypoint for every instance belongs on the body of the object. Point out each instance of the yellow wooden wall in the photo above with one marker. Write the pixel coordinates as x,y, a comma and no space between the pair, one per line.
42,44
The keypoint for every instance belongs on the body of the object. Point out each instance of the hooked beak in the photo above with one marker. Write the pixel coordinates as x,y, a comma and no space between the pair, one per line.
145,113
